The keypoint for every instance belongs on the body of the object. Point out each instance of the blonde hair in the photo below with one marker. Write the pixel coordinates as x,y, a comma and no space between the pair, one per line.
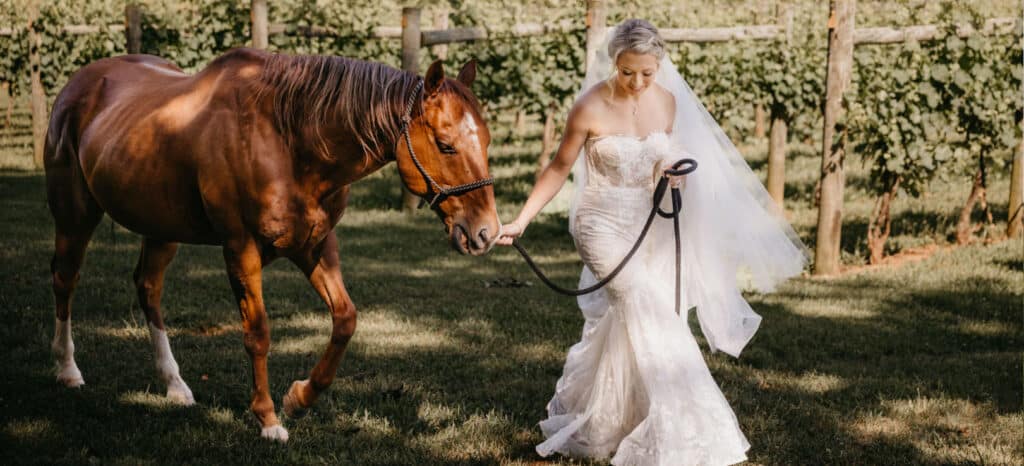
636,36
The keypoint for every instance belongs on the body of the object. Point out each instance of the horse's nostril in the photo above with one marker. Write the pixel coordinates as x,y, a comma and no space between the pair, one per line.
483,235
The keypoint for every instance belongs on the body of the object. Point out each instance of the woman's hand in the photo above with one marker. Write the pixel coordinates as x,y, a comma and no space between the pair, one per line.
510,231
675,181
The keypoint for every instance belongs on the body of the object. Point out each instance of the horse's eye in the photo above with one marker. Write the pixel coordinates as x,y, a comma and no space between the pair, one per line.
445,148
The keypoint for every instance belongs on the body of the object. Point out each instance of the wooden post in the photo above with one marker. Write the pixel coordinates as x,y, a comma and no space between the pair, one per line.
596,26
777,159
411,63
258,31
40,119
758,121
1016,207
779,126
1015,211
441,23
519,128
9,101
759,8
837,79
411,39
133,28
547,139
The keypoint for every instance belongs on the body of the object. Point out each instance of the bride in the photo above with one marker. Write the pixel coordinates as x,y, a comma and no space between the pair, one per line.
636,385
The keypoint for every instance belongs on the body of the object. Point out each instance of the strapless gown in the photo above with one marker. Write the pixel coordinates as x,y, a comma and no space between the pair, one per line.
636,386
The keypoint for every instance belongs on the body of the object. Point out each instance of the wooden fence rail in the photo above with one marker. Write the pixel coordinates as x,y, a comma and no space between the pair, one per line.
921,33
871,35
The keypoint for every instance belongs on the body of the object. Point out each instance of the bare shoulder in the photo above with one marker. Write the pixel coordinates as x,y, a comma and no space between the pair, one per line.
668,102
588,107
664,95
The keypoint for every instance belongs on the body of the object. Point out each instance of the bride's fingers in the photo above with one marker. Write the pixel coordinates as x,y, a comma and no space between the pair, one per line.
511,230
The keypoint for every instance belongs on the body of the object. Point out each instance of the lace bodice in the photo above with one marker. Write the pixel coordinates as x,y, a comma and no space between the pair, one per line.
622,161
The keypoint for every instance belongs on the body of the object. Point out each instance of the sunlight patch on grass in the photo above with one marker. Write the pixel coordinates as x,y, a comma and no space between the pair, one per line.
420,273
383,219
537,353
221,415
940,428
127,243
476,327
811,382
320,322
28,429
437,415
205,272
377,333
369,424
877,427
311,344
127,332
828,309
386,334
480,437
818,383
151,400
985,328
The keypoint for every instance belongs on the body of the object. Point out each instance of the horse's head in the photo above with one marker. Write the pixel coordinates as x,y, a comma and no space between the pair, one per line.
449,139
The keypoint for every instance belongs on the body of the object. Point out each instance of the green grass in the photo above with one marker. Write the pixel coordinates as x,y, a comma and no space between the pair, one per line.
15,135
919,364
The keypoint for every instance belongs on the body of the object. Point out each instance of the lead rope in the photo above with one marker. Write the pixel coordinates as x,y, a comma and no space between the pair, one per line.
659,194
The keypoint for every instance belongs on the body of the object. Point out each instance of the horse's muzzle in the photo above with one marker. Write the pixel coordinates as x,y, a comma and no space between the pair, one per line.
477,244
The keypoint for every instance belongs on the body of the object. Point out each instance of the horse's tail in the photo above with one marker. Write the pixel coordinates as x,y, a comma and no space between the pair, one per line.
68,195
56,151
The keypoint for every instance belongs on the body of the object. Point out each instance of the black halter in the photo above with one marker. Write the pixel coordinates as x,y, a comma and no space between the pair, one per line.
435,192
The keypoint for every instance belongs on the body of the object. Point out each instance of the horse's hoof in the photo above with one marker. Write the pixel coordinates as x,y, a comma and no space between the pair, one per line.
70,377
179,393
293,407
276,433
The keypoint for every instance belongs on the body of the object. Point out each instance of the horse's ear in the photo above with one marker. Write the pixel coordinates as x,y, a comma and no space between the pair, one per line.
468,73
434,78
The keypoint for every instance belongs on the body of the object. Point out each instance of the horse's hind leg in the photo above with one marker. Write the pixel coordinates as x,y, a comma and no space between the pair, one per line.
69,251
149,283
324,273
76,216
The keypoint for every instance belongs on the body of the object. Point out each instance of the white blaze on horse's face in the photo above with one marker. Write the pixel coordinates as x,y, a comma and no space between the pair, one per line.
468,129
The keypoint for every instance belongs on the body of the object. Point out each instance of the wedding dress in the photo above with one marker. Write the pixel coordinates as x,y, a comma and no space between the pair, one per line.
636,384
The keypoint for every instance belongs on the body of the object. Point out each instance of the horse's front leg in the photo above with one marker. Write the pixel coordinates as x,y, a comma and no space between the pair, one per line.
323,269
245,272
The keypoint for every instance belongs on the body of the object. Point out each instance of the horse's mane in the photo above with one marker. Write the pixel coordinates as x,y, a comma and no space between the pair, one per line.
368,99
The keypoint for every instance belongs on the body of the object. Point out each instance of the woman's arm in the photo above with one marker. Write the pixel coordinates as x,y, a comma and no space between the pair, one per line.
553,176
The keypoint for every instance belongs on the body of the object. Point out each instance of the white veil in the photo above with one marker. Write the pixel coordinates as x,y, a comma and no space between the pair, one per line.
730,226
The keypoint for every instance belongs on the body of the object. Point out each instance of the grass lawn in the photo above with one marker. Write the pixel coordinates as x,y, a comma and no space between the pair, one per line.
916,364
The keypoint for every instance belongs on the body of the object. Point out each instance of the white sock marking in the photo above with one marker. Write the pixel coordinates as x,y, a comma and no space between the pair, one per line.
167,367
63,348
277,433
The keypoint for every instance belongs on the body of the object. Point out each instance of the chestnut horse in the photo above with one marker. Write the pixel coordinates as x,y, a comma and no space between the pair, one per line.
255,154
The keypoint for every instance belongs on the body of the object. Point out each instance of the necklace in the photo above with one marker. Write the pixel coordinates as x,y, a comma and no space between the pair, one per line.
636,108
